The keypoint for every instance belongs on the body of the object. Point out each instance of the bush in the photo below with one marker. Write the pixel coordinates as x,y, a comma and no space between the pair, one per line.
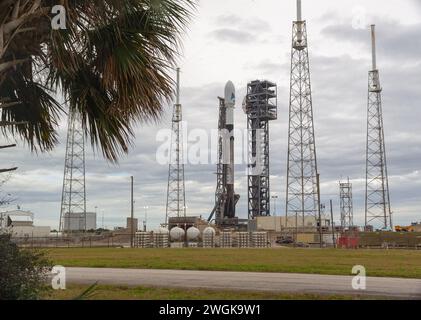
23,273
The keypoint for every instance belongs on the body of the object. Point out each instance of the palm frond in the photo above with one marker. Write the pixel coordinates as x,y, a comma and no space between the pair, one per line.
113,64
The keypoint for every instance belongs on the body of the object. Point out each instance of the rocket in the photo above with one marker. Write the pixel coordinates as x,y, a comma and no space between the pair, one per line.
229,210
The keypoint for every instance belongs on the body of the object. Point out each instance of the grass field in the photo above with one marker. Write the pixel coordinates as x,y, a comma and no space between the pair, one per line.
378,263
146,293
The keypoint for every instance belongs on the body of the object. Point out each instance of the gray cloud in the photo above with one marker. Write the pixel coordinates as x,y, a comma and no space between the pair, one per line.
394,40
234,29
252,25
232,35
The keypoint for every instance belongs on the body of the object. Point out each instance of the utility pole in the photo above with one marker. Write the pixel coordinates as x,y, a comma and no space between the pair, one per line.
131,213
332,224
146,218
320,214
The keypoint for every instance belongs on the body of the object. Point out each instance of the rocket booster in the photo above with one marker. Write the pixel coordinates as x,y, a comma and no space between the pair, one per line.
229,108
229,105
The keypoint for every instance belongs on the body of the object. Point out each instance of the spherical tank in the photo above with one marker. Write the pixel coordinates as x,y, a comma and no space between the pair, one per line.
177,234
193,234
209,231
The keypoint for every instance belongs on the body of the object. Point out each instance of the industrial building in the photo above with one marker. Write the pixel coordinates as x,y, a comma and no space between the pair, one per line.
287,224
132,223
20,223
79,221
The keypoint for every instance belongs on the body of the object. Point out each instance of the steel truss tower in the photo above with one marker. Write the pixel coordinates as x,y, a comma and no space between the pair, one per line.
347,211
302,186
377,200
260,107
176,196
73,200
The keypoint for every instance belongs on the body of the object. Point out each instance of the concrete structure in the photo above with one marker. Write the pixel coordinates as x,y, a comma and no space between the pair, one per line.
20,223
135,224
76,221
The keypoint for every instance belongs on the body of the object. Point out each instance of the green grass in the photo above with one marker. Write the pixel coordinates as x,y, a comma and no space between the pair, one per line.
378,263
103,292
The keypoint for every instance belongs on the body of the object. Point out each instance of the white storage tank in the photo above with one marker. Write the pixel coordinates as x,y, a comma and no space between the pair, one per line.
193,234
208,237
209,231
177,234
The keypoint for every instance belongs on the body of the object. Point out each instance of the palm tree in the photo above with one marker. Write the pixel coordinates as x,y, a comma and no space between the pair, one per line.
111,64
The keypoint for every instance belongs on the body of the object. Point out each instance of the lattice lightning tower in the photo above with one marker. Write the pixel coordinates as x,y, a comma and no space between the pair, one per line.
302,187
377,201
176,202
73,201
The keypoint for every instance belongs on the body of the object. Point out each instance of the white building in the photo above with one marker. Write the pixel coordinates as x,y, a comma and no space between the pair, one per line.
20,223
78,221
282,223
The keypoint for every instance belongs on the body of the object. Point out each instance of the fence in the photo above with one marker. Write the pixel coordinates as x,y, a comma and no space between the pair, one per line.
75,241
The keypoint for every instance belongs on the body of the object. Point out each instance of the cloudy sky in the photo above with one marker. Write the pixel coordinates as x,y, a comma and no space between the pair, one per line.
244,40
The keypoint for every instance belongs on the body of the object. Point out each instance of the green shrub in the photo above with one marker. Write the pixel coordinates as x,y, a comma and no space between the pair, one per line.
23,272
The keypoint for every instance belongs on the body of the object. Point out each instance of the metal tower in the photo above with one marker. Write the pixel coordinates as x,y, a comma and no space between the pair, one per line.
347,211
176,202
377,200
73,200
260,107
302,185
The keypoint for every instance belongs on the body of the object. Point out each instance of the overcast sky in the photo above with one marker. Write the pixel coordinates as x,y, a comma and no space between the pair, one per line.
244,40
